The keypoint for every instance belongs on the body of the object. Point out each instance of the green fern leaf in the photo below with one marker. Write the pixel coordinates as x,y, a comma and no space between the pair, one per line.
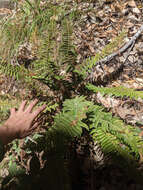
114,135
119,91
15,72
66,49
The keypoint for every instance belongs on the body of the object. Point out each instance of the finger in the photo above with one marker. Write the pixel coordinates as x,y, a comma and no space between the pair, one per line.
22,106
31,105
38,111
34,126
12,111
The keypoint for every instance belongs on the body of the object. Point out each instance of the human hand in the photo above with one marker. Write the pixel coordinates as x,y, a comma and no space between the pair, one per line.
21,122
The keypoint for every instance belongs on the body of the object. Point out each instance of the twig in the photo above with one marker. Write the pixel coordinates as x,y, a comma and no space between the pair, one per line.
126,46
120,51
129,52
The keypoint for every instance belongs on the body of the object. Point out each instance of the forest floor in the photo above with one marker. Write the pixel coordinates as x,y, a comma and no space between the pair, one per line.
100,22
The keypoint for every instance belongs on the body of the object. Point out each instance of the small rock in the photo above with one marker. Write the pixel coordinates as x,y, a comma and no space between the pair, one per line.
136,10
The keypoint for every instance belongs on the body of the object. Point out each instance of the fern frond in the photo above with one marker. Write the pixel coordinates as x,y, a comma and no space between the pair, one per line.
16,72
70,120
119,91
111,145
20,28
45,67
114,136
66,48
48,66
